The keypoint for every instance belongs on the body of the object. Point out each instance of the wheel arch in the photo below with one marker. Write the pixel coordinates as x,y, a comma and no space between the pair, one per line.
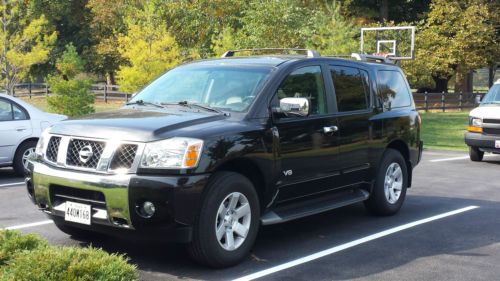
250,170
403,148
23,142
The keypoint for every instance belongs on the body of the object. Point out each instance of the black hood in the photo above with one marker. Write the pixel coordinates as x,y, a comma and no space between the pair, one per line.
133,123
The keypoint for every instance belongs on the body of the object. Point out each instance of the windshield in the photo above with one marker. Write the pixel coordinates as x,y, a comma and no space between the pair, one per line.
493,95
225,87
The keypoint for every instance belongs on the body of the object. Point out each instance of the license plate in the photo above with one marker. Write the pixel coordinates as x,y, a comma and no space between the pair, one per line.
497,144
76,212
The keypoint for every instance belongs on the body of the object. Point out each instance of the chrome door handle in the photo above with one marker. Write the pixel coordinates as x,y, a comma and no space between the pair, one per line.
20,129
331,129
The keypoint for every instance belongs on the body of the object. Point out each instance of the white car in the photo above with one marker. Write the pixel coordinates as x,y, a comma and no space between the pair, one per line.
21,124
484,125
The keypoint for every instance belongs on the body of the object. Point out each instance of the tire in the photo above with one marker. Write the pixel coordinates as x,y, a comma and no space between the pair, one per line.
77,232
19,158
475,154
382,201
205,247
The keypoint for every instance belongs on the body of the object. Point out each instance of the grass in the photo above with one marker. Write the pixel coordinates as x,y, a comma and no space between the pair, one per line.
444,130
99,105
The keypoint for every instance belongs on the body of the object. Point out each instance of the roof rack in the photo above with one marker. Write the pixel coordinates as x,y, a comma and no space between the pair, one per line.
309,53
372,58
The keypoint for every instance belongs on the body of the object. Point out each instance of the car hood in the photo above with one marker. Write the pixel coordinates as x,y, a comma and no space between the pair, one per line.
133,124
487,112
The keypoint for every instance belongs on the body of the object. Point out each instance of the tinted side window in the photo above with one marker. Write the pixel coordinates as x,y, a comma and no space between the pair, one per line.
5,110
19,113
392,89
350,88
306,82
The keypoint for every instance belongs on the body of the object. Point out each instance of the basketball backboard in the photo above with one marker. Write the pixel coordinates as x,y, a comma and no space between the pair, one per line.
395,42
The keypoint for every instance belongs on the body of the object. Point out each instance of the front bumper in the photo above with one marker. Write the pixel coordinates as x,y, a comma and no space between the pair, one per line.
114,199
483,142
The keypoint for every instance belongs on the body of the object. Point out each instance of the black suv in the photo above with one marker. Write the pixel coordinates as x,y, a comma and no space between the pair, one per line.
213,149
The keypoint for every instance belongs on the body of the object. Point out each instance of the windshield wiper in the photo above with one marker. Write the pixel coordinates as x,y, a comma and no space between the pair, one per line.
205,107
142,102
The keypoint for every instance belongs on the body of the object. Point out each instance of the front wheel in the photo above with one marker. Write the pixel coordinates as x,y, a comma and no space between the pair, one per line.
228,222
389,191
475,154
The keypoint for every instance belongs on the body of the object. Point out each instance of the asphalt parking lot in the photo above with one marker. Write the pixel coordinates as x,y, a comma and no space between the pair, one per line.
448,229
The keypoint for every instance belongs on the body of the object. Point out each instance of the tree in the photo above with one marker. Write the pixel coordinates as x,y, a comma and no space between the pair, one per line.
385,10
25,42
148,48
107,21
71,87
457,37
332,34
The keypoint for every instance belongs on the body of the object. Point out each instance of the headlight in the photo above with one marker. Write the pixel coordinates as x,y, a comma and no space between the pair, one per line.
476,122
41,144
174,153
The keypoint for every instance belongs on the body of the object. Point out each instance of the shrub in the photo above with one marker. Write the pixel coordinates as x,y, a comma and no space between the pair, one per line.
13,242
72,90
67,263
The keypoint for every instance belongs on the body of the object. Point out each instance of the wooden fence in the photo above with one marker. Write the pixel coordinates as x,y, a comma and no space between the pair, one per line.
101,91
446,101
424,101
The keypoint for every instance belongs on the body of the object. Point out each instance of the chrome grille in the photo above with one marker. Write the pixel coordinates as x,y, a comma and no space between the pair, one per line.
124,157
53,149
492,121
491,131
75,157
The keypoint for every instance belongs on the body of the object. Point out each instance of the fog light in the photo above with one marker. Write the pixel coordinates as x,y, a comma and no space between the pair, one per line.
147,209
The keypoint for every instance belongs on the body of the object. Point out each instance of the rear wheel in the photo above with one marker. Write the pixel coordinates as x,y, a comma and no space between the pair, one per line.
228,222
475,154
23,154
389,191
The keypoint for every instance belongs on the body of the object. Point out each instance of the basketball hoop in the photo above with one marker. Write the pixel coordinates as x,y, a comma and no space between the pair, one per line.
385,55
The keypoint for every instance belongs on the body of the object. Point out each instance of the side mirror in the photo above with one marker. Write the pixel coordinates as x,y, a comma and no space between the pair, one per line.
298,107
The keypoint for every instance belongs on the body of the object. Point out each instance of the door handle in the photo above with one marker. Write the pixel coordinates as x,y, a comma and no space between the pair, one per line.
20,129
330,130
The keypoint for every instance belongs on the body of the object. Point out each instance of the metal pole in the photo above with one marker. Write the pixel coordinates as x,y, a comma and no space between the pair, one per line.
106,93
29,89
442,102
460,101
426,102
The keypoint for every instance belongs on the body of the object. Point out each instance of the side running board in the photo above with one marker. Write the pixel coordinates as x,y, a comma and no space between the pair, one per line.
292,211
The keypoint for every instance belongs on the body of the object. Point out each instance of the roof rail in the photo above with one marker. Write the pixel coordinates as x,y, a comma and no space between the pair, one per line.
309,53
372,58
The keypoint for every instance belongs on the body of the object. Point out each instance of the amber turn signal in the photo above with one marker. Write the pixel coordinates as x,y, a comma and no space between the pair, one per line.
475,129
192,155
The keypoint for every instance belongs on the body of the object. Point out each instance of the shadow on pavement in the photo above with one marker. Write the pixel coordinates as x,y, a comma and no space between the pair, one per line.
285,242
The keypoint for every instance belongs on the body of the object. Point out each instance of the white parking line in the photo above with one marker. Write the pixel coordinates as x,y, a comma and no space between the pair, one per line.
351,244
455,158
29,225
10,184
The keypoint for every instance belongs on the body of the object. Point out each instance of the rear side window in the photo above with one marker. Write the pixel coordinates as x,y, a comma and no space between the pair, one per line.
393,90
5,110
350,88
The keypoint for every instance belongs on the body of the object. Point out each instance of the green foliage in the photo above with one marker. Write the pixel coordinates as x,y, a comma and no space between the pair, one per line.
25,41
65,263
71,88
332,34
148,47
275,23
458,36
70,64
13,242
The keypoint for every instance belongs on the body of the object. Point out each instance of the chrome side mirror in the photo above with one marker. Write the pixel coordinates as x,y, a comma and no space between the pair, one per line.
298,107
